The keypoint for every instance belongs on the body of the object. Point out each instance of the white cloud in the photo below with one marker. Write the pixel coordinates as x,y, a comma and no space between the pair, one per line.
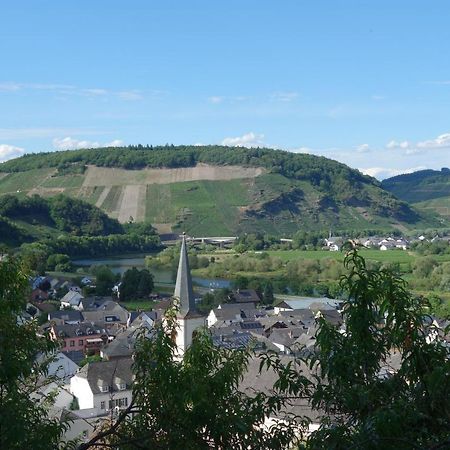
67,89
27,133
94,92
442,141
130,95
307,150
394,144
69,143
216,99
284,96
363,148
9,152
442,82
413,148
247,140
384,172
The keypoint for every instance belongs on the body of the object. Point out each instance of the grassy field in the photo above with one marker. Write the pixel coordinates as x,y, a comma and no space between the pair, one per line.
68,181
393,256
23,181
197,206
158,207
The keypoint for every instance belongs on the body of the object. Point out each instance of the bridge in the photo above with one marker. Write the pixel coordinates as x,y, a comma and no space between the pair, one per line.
215,240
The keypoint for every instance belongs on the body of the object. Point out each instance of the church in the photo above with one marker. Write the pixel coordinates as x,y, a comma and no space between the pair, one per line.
188,318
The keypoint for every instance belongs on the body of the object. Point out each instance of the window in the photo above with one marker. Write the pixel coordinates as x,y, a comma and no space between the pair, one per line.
72,343
102,405
104,388
80,342
118,402
122,386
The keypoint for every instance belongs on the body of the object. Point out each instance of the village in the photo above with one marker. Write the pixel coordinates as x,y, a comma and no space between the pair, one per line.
92,372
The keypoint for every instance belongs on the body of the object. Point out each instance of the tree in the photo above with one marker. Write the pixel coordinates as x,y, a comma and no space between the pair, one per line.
408,408
145,285
267,297
104,280
24,421
136,284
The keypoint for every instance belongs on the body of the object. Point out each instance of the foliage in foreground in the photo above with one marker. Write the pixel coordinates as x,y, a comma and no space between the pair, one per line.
23,419
195,403
370,404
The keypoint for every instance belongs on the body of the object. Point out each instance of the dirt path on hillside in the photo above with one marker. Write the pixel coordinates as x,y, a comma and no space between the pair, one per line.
106,176
132,204
102,196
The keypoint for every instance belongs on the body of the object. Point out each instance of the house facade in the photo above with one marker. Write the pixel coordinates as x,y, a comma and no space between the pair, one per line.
104,385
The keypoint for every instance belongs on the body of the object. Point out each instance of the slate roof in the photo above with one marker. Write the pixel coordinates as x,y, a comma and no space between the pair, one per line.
66,315
73,298
107,311
108,373
183,286
79,329
95,303
246,296
75,355
254,381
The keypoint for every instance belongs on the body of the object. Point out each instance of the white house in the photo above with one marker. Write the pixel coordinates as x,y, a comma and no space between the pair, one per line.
72,300
103,385
227,314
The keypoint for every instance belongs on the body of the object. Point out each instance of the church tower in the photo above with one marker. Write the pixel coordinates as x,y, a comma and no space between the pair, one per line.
188,319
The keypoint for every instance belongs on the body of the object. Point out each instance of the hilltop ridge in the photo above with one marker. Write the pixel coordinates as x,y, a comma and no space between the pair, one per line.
215,189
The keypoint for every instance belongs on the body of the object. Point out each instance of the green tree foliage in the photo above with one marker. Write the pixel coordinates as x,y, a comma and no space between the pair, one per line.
24,422
65,213
136,284
104,279
367,407
423,267
213,299
59,262
80,217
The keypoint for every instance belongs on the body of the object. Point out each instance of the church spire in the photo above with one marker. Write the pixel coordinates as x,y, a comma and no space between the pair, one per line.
183,287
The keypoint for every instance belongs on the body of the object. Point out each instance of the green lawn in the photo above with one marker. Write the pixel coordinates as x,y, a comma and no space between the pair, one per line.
136,305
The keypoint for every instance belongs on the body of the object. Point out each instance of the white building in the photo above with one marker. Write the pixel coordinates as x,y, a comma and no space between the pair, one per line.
103,385
72,300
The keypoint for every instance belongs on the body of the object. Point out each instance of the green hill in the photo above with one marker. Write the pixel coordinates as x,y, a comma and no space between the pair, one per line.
427,190
214,190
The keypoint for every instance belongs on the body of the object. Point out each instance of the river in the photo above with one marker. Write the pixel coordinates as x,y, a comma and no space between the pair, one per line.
161,276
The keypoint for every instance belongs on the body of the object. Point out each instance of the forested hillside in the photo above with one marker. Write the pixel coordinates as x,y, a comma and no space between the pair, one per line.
214,190
428,190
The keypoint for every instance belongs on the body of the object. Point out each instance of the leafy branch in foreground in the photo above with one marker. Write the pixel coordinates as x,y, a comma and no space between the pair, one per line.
23,412
368,403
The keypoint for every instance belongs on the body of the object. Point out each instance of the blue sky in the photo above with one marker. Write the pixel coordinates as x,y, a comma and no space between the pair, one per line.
363,82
